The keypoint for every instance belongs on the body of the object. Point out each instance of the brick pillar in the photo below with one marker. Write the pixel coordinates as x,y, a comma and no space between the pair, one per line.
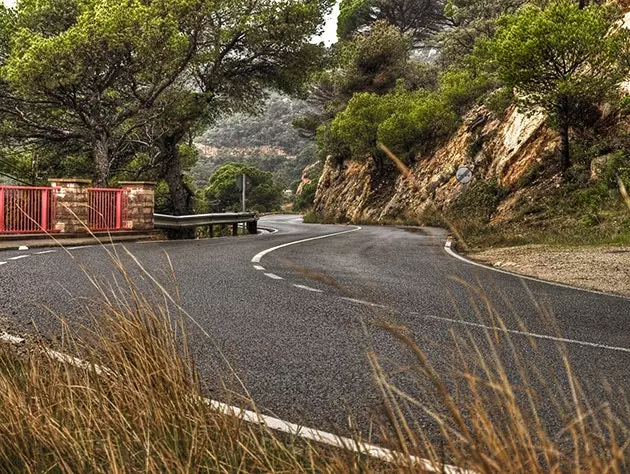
140,203
72,204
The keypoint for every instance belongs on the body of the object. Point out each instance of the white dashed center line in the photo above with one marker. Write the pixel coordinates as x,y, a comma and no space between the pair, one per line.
308,288
3,263
45,252
258,267
273,276
19,257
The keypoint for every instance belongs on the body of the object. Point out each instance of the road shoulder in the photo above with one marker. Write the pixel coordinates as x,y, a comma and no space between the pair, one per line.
600,268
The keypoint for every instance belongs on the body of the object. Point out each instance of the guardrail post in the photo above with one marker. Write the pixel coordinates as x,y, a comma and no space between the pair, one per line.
235,229
211,231
252,227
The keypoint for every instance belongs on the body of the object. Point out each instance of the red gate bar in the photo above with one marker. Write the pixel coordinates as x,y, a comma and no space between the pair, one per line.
26,209
107,208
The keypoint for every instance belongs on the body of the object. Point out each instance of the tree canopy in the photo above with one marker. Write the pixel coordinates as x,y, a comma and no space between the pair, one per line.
417,18
560,58
223,193
111,80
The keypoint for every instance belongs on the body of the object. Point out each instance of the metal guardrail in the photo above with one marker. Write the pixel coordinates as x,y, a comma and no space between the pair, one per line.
162,221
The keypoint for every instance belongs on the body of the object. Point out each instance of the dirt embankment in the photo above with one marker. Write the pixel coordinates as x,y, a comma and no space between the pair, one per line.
602,268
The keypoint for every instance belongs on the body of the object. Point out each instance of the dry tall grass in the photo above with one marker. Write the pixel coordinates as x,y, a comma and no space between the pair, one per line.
137,406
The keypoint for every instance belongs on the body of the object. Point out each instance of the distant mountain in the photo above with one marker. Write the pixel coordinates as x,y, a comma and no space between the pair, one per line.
267,141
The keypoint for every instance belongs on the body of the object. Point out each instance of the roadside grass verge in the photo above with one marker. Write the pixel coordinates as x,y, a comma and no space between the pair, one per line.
136,406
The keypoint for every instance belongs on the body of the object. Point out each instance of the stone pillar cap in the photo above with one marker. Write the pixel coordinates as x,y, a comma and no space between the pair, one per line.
70,180
138,183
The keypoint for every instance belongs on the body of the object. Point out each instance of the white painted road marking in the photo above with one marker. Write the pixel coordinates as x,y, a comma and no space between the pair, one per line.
5,337
452,253
258,256
330,439
45,252
274,276
498,329
3,263
366,303
524,333
19,257
308,288
258,267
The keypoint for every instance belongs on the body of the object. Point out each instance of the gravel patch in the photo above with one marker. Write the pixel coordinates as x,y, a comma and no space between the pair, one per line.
603,268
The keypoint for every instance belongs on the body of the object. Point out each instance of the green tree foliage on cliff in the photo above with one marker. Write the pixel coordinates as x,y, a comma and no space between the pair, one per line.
561,58
416,18
406,121
376,61
470,21
223,194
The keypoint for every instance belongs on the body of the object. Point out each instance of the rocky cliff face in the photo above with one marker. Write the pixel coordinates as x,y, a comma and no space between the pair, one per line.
502,149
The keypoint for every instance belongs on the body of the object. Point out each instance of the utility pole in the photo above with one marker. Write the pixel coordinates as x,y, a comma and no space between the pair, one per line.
243,192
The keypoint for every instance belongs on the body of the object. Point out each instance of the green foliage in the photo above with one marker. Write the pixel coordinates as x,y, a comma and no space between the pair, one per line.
461,88
374,61
560,50
264,195
306,198
479,200
417,18
405,121
499,101
475,20
561,58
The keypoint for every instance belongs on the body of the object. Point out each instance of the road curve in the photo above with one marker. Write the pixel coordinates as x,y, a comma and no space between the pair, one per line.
295,319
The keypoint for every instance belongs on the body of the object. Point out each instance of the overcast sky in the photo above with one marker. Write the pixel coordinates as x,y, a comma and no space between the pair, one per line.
329,36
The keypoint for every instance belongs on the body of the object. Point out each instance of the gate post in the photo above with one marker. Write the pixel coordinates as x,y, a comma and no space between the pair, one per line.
140,204
72,204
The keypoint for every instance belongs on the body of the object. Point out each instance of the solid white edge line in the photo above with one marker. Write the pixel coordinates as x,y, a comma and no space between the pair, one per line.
6,337
308,288
270,230
333,440
452,253
19,257
523,333
260,255
277,424
273,276
259,268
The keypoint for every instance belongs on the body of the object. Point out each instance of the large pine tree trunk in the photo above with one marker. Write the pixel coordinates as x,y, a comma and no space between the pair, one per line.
181,195
563,125
101,159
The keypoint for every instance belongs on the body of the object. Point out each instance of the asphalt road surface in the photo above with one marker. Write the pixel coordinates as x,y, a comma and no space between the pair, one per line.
296,322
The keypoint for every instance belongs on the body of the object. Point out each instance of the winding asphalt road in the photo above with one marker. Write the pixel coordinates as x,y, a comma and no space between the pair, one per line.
296,322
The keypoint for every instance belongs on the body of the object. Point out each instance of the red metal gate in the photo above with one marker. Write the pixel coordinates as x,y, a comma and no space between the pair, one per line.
26,209
107,209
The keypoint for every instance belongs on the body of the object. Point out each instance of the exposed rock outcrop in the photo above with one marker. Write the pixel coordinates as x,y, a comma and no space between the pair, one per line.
502,149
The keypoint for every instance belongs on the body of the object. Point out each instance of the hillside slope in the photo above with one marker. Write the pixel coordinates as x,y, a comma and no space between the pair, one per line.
491,148
517,192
